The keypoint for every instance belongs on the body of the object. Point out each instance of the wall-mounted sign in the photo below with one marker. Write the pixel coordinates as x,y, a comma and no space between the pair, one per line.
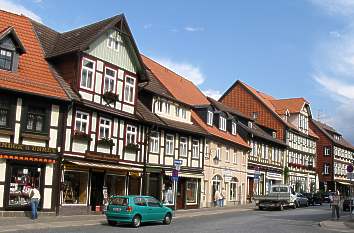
37,149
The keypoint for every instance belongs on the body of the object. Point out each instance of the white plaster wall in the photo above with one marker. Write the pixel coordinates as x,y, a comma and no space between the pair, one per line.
92,144
169,161
85,95
33,142
54,117
128,108
1,196
121,129
47,199
18,109
120,90
67,139
97,99
48,174
4,138
129,156
69,117
99,66
120,74
2,170
195,163
53,135
120,148
79,146
94,122
103,149
98,83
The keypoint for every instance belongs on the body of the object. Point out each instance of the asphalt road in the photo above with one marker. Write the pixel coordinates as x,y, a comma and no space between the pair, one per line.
254,221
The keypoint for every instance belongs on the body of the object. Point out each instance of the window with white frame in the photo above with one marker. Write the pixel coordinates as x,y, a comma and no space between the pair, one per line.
154,142
87,74
105,128
129,89
167,107
131,134
326,169
234,128
207,151
234,158
183,113
222,123
81,121
169,144
227,155
114,40
327,151
109,80
183,148
195,149
178,111
210,117
233,189
218,154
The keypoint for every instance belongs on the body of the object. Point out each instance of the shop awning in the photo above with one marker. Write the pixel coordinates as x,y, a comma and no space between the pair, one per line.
343,183
186,175
106,166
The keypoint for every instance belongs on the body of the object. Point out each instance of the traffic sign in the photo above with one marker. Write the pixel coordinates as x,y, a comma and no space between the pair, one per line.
350,168
174,178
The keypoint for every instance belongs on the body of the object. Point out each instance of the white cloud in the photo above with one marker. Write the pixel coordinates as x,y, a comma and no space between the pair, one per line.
334,65
148,26
16,8
194,29
187,70
215,94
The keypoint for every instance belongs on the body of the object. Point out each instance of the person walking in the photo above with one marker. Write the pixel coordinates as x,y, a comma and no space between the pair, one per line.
223,197
35,197
335,205
217,196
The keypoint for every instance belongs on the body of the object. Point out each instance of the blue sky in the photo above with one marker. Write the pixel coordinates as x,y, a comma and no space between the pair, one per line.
302,48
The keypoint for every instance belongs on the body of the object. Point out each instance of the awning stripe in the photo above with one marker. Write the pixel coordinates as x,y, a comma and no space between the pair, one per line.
107,166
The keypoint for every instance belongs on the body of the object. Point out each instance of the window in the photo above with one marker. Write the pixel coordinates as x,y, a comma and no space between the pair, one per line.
35,119
169,145
154,142
178,110
183,113
227,155
183,147
114,41
195,149
153,202
75,187
105,128
129,89
326,169
191,191
167,107
327,151
87,74
81,122
139,201
218,154
234,128
109,80
233,189
4,112
222,123
234,158
250,124
274,134
337,137
207,151
131,134
5,59
168,191
210,118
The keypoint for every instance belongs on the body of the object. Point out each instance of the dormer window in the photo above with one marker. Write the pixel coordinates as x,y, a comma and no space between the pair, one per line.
6,59
210,118
234,128
303,123
114,40
222,123
336,137
250,124
274,134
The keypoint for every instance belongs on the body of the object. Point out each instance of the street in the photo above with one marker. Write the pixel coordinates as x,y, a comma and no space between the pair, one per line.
299,220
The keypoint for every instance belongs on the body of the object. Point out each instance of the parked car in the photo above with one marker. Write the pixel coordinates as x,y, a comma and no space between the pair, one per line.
313,198
326,197
136,210
346,204
280,196
301,200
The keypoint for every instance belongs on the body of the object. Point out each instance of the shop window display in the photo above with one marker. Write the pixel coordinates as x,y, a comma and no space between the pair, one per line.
115,185
22,177
191,191
167,191
75,187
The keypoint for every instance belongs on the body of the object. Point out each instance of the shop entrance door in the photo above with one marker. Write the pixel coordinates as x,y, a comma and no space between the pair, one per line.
181,194
96,198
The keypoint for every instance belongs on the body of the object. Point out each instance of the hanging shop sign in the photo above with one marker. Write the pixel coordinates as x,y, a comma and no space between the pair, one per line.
37,149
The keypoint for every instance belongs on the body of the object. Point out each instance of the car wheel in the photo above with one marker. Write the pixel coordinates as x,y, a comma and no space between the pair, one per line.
167,219
260,208
136,221
112,223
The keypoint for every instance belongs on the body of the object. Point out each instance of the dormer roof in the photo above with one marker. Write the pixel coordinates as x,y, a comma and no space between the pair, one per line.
10,31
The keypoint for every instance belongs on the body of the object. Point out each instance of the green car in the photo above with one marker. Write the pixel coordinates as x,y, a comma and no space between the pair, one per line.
137,210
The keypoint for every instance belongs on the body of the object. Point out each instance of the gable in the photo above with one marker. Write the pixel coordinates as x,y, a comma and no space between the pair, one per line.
124,56
7,43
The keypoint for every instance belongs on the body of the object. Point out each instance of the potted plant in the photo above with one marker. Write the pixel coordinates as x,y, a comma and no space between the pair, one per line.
106,142
110,97
81,135
131,147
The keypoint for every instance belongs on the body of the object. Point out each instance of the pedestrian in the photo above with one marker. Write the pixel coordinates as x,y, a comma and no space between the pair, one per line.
217,198
330,196
223,197
35,197
335,205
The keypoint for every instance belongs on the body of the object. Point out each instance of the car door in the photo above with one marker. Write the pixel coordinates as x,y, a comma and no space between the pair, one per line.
141,208
155,209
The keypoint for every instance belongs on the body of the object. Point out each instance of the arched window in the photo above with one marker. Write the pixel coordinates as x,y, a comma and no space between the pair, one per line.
233,189
217,180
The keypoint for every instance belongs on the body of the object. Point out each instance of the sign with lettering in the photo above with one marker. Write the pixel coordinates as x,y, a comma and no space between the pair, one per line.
36,149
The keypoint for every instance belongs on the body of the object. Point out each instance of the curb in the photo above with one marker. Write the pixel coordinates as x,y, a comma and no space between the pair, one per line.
335,226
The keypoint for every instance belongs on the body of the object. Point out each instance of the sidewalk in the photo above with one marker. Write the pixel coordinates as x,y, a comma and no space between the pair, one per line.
9,224
342,225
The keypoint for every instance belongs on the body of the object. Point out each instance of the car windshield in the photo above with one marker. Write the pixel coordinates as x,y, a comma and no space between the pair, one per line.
122,201
280,189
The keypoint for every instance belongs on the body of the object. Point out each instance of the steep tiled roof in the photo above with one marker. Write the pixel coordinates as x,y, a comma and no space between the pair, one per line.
225,108
328,131
218,133
294,105
33,75
181,88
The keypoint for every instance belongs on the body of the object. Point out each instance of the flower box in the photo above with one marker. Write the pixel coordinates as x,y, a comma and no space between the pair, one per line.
106,142
81,135
110,97
131,147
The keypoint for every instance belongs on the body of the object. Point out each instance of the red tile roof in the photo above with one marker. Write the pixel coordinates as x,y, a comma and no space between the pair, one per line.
294,105
33,75
218,133
181,88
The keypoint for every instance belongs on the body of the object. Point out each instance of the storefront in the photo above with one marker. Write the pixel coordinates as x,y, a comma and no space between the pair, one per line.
18,173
